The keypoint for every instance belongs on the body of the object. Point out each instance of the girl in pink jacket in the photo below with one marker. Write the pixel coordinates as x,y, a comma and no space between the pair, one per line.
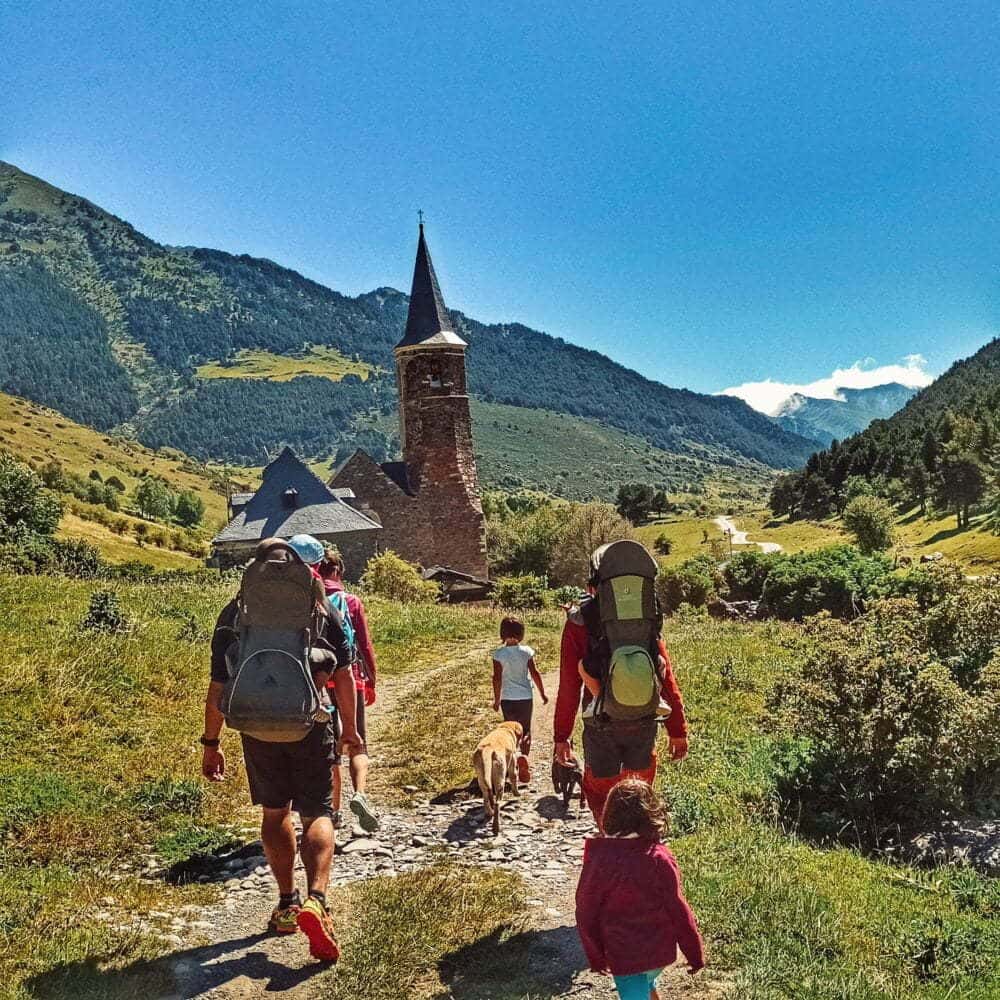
630,910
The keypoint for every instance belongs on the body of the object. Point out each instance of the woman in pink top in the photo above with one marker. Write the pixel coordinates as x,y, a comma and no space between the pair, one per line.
630,910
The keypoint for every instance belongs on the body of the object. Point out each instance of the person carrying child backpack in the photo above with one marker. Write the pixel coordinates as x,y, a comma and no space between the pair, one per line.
631,913
513,672
613,653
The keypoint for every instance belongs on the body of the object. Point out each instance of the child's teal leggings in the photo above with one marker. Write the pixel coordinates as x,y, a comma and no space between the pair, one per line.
637,987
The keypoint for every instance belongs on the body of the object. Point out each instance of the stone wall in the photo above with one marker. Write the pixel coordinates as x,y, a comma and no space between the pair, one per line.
357,547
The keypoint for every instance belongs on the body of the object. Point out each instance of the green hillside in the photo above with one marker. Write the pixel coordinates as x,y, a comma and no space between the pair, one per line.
150,316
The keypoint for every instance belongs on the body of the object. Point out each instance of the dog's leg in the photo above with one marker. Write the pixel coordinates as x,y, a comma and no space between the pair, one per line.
512,773
484,788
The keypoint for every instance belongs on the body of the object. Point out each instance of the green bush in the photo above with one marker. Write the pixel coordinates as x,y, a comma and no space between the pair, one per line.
662,545
390,576
105,614
903,721
871,520
746,573
521,593
693,583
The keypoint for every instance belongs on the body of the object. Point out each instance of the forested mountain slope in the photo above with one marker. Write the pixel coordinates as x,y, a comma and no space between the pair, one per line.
944,446
107,326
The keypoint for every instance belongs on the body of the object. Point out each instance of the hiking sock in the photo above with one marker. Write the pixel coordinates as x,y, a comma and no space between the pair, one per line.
321,896
289,899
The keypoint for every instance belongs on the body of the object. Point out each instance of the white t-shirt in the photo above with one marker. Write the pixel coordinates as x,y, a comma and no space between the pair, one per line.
516,684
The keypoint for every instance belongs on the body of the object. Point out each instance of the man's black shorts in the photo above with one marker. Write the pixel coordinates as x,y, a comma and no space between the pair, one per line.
292,773
612,747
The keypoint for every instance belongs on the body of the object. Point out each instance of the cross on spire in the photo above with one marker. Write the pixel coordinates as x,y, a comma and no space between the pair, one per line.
420,217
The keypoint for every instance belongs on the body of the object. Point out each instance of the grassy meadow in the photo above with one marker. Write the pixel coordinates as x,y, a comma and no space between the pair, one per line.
99,768
324,362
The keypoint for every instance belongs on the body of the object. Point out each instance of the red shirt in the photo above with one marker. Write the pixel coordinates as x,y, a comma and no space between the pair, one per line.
362,637
630,908
572,651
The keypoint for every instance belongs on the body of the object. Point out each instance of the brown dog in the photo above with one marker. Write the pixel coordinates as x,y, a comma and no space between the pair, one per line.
495,761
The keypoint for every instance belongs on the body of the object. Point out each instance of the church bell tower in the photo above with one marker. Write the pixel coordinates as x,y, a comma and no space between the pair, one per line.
436,423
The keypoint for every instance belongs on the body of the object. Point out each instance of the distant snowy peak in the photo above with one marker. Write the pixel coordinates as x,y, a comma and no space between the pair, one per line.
824,420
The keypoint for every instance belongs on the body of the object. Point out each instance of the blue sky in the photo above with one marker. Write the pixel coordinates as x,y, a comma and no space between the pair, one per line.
713,193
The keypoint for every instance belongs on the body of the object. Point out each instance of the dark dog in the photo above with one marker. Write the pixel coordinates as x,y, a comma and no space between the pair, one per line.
564,779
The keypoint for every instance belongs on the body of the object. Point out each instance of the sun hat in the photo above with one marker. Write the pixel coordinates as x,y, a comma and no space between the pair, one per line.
307,548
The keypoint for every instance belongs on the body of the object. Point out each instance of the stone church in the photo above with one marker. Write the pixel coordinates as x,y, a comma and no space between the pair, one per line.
428,504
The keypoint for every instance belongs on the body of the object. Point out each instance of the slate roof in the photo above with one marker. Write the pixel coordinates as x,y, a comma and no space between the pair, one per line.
317,510
427,322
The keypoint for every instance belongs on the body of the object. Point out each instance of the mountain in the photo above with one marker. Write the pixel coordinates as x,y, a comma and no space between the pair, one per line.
826,420
111,328
944,443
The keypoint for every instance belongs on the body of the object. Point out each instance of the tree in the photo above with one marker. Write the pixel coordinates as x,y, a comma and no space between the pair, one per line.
26,506
918,485
960,484
634,501
929,450
786,496
189,509
663,545
590,525
870,520
993,494
154,499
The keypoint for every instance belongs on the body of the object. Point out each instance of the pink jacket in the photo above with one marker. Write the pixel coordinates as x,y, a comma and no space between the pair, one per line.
630,909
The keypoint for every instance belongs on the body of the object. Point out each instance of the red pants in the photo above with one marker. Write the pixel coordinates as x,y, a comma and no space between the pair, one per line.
596,790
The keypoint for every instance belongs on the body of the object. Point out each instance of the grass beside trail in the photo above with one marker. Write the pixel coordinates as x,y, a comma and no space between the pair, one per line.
99,764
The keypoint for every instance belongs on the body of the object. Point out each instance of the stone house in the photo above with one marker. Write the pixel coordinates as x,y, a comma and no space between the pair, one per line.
293,500
428,504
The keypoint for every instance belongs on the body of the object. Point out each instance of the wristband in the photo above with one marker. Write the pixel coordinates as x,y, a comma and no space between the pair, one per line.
208,743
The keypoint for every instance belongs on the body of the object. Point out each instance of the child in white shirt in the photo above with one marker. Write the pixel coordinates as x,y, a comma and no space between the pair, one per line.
513,671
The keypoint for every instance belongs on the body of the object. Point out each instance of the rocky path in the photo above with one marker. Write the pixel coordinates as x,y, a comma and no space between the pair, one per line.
728,527
223,954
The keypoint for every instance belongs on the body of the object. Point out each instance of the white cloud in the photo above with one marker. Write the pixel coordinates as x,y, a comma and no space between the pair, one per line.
767,396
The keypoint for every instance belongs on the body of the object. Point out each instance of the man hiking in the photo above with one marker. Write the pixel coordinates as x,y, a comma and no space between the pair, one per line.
274,648
351,607
612,653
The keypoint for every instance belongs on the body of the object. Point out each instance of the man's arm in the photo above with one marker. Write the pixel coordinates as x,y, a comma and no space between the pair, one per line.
213,760
677,721
571,652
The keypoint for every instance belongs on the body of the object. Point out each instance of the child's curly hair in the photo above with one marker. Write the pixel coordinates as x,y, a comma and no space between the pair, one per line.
632,807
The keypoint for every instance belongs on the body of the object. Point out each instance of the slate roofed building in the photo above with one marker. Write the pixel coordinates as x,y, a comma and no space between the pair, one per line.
293,500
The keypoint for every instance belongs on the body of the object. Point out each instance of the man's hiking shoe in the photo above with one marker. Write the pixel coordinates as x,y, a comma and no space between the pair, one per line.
317,925
336,817
523,770
363,809
284,920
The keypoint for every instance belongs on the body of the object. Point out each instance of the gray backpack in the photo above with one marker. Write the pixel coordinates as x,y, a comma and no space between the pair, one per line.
623,626
270,694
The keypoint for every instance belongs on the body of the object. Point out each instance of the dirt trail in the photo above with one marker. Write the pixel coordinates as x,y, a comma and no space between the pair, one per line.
224,954
728,527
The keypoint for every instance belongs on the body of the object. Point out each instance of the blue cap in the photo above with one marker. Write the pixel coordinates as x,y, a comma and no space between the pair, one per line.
310,550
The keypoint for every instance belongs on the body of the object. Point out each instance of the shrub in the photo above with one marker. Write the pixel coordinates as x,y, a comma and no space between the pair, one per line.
899,733
76,558
26,506
521,593
746,573
693,583
870,520
663,545
837,579
105,614
390,576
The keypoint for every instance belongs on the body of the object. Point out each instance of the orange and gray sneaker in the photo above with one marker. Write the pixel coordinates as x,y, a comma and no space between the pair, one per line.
523,770
284,919
315,922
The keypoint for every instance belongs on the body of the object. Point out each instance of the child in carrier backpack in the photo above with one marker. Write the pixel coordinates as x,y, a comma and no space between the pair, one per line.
513,672
630,909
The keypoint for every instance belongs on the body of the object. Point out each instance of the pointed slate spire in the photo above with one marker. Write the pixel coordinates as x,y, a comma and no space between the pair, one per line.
427,323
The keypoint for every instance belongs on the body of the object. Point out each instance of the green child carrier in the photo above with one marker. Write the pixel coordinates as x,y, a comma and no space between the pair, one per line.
270,694
623,624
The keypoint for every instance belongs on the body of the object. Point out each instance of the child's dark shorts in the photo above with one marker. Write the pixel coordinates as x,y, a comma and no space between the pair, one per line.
519,710
292,773
612,747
